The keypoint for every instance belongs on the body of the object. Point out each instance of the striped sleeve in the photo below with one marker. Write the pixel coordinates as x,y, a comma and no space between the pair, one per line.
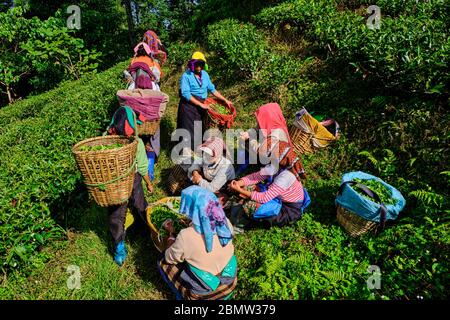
253,178
263,197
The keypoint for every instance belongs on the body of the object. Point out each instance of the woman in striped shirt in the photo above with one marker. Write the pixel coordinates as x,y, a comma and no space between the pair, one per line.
285,196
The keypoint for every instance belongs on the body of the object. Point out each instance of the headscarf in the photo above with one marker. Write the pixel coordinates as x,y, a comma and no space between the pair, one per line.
270,117
156,47
146,48
208,218
284,156
199,56
123,121
215,147
152,40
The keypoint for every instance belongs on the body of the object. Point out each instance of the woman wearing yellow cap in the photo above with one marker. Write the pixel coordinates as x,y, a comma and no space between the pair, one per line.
195,85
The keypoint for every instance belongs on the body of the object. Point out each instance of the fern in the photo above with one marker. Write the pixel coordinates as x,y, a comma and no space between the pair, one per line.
429,198
334,276
369,157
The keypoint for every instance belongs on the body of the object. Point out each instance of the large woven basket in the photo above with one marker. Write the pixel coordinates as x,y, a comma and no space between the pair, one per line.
301,140
352,223
148,128
159,241
177,180
108,174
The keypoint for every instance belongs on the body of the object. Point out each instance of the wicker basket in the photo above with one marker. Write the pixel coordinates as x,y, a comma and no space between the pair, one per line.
354,224
108,174
148,128
159,242
177,179
301,140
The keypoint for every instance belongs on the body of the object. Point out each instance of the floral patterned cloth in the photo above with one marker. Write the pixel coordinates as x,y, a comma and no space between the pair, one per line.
207,215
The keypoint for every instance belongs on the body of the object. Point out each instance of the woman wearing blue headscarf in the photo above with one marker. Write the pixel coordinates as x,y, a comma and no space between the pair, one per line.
200,264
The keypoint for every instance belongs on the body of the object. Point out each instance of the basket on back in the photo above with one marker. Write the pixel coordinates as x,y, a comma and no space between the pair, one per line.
309,135
159,241
177,179
359,214
219,120
149,103
108,174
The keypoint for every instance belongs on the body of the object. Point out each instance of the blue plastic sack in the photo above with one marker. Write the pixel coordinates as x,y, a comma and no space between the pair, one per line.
273,207
365,208
268,209
306,200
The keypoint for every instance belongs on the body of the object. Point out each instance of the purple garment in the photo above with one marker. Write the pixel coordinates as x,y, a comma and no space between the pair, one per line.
155,142
143,80
148,106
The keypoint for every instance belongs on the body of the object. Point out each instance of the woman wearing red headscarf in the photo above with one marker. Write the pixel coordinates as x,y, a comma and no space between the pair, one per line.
270,123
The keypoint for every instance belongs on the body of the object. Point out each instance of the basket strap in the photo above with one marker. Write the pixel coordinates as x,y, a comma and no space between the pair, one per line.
126,174
371,194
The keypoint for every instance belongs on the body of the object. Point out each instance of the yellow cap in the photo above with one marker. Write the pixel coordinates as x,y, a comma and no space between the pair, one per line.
198,56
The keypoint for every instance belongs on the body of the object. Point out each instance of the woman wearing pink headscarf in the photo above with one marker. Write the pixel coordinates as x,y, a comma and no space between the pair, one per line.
270,123
144,71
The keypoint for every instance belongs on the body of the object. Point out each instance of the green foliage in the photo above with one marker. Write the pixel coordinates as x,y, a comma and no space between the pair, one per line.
409,52
44,52
103,25
211,11
384,167
181,52
395,8
153,15
240,48
413,258
305,261
297,14
37,160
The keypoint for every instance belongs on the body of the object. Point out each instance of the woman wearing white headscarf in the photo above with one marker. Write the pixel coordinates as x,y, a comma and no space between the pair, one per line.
214,169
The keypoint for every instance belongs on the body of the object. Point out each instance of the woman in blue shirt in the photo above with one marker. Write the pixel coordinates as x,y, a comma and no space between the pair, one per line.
195,85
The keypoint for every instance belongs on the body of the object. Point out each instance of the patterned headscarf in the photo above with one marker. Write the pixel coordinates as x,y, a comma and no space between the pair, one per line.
207,215
145,46
123,121
284,155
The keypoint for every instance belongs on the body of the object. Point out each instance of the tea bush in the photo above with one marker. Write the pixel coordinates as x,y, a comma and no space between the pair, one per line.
180,53
305,261
240,47
409,52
